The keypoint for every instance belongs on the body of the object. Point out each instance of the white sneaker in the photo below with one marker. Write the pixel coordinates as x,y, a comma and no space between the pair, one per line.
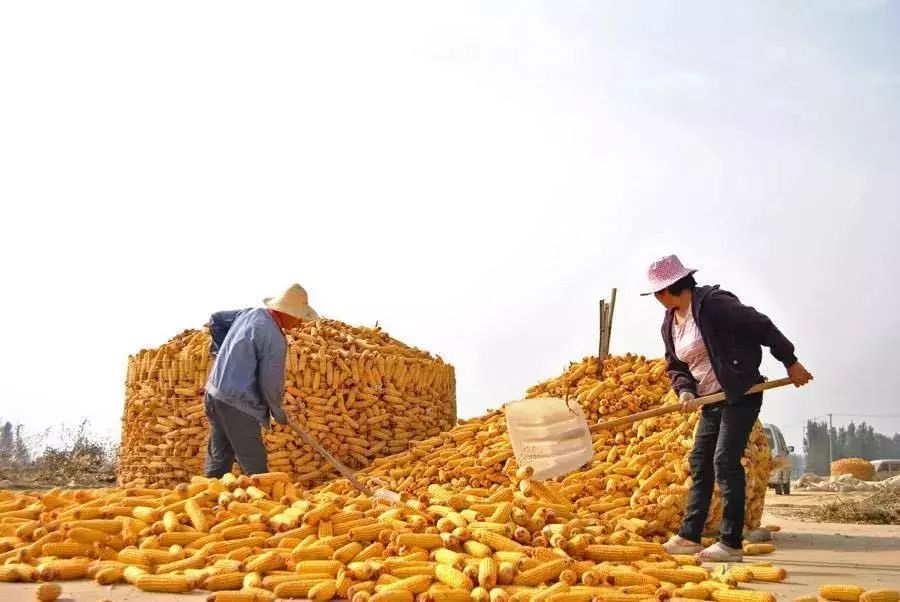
679,545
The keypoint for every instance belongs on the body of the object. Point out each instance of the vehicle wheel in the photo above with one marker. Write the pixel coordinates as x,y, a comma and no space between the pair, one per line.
778,490
786,488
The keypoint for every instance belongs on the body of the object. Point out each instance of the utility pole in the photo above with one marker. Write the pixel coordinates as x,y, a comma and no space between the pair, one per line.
830,446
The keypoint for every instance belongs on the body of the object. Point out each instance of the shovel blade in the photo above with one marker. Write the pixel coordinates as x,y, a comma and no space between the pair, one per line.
549,435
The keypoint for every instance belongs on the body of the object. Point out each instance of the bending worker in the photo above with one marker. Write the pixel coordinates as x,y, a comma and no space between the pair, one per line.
713,343
246,383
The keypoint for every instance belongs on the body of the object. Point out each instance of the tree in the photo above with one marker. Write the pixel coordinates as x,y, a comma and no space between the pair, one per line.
6,441
20,448
815,446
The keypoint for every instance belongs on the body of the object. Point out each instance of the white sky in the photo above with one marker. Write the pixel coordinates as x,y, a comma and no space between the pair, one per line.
472,175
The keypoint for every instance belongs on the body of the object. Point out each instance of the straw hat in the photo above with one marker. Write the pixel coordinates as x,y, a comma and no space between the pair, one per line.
293,302
665,272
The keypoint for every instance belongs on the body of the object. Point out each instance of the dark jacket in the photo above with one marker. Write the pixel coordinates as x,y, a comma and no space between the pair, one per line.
733,334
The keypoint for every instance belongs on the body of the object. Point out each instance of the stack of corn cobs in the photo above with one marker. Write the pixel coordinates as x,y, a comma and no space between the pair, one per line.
471,526
361,393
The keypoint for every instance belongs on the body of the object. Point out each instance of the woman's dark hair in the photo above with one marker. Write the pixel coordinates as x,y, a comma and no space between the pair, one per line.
682,285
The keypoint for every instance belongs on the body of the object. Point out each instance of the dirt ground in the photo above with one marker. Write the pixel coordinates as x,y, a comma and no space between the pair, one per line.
812,553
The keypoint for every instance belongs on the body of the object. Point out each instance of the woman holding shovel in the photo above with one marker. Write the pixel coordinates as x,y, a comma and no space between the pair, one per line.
713,343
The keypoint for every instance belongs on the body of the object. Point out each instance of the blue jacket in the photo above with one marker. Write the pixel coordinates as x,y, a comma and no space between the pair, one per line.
733,334
248,373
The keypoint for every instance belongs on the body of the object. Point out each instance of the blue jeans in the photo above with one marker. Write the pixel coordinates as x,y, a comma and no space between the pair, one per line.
719,445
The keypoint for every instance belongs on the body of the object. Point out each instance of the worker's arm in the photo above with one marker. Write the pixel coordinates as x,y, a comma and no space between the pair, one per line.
270,375
750,325
680,375
219,325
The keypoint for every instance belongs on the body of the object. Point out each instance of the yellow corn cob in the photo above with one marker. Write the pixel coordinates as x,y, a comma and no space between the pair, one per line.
269,561
480,525
66,549
226,565
626,577
296,587
477,549
320,512
366,587
180,538
449,557
415,584
691,591
348,552
487,573
109,575
685,560
27,573
543,573
392,596
330,567
600,553
113,527
132,573
171,584
195,561
768,573
712,585
648,547
408,569
498,542
557,588
64,570
312,552
571,596
742,595
324,590
196,516
452,577
880,595
88,536
148,543
232,596
241,531
224,547
144,513
373,550
755,549
267,479
420,540
676,576
366,533
47,592
446,595
841,593
262,595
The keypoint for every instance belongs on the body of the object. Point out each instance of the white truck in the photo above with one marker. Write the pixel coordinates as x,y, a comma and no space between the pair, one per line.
780,475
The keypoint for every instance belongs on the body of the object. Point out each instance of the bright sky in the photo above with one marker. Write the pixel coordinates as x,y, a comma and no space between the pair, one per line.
475,176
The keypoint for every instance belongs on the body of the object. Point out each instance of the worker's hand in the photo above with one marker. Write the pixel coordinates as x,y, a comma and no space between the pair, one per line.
798,374
688,402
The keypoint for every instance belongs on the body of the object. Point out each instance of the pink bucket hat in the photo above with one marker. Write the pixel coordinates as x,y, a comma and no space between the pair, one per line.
665,272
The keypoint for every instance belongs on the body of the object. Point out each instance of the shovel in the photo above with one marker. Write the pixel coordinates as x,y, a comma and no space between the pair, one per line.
385,494
553,436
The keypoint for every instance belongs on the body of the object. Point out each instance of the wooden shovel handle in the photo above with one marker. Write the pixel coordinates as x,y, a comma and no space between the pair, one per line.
310,440
674,407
